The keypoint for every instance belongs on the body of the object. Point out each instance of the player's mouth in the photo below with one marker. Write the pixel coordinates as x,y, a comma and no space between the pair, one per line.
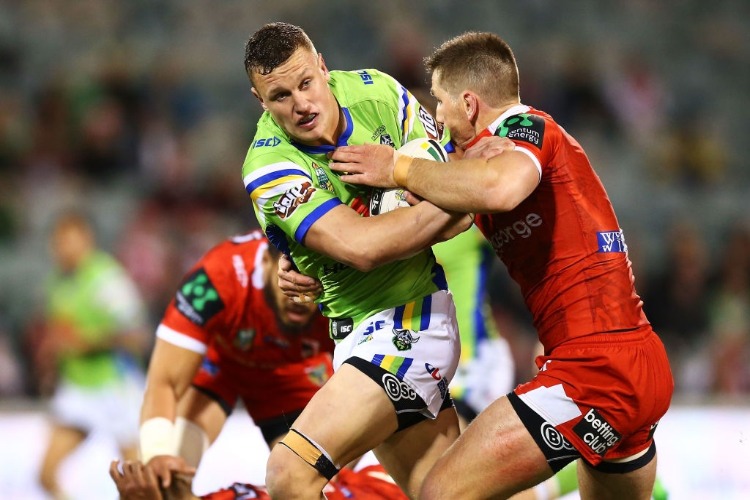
308,121
297,313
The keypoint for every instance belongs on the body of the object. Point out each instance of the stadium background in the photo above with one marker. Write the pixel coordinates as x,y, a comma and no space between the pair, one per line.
140,112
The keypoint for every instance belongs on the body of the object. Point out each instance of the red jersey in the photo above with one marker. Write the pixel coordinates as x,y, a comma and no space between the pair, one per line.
221,304
563,244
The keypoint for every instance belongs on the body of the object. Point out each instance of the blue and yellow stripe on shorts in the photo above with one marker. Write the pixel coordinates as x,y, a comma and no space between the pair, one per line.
394,364
413,315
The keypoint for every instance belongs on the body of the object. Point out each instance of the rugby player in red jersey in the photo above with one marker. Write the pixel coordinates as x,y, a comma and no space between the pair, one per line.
135,481
604,379
229,334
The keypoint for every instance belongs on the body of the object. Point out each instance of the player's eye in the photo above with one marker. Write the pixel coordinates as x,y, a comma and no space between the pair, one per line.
306,83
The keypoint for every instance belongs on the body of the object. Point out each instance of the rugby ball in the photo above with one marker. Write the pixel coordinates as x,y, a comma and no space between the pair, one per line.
386,200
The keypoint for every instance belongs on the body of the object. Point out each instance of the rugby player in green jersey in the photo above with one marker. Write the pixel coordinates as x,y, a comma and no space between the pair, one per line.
392,318
93,335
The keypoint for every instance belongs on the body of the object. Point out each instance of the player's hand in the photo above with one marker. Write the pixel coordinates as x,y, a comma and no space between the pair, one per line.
489,147
298,287
134,481
165,465
368,164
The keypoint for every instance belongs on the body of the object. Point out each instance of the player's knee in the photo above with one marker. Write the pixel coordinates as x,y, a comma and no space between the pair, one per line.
286,474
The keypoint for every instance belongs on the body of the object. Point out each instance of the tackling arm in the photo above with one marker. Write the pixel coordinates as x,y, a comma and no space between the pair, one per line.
479,185
365,243
491,177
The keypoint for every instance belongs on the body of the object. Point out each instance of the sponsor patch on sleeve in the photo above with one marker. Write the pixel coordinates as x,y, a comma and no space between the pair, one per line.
293,198
197,299
523,127
611,241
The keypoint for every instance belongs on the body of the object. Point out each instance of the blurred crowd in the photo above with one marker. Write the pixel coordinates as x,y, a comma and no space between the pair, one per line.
140,114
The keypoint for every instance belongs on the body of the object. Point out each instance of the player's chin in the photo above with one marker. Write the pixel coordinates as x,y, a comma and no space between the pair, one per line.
295,320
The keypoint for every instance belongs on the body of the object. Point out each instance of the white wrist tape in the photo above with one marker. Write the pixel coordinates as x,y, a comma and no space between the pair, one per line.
157,438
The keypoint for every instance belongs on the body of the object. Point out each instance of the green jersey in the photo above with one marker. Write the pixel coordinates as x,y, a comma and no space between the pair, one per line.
292,186
96,301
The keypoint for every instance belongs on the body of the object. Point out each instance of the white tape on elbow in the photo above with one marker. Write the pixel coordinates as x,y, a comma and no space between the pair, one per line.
157,437
191,440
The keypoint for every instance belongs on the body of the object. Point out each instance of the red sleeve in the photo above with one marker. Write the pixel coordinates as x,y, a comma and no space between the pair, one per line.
202,303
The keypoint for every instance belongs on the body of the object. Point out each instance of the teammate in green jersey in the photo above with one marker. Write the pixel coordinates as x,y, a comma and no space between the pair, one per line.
392,318
486,370
95,322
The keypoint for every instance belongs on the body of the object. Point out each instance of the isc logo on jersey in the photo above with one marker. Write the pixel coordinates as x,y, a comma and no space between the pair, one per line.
387,200
267,142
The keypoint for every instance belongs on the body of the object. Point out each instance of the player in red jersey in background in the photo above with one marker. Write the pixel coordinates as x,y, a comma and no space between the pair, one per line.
229,334
604,379
135,481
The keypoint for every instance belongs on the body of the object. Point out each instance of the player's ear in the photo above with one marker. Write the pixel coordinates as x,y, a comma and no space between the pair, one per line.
471,105
323,67
260,99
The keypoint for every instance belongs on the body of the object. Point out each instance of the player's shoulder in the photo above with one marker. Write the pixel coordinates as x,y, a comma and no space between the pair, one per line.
527,125
352,86
234,256
245,245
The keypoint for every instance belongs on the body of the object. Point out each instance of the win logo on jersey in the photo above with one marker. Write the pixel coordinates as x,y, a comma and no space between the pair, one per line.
523,127
198,299
611,241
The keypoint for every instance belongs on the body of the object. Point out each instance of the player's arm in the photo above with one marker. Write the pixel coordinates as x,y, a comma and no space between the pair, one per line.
480,185
472,184
170,373
365,243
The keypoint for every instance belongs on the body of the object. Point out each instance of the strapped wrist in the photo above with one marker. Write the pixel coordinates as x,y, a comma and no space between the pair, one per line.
157,437
401,169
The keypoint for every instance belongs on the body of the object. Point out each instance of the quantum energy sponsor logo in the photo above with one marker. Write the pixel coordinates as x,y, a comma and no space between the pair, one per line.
596,432
197,299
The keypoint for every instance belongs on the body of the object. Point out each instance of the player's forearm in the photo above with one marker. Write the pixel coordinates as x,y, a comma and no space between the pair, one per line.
157,429
475,185
365,243
159,400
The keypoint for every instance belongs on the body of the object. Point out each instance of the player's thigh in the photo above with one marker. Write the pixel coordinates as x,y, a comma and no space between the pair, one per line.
409,454
203,410
494,458
635,485
348,416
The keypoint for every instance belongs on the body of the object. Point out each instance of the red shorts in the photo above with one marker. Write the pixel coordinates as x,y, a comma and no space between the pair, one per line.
266,393
603,393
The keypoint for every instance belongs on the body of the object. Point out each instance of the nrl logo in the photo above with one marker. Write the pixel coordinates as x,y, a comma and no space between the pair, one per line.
403,339
244,339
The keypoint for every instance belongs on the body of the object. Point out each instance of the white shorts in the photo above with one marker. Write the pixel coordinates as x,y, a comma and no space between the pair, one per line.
112,408
416,344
